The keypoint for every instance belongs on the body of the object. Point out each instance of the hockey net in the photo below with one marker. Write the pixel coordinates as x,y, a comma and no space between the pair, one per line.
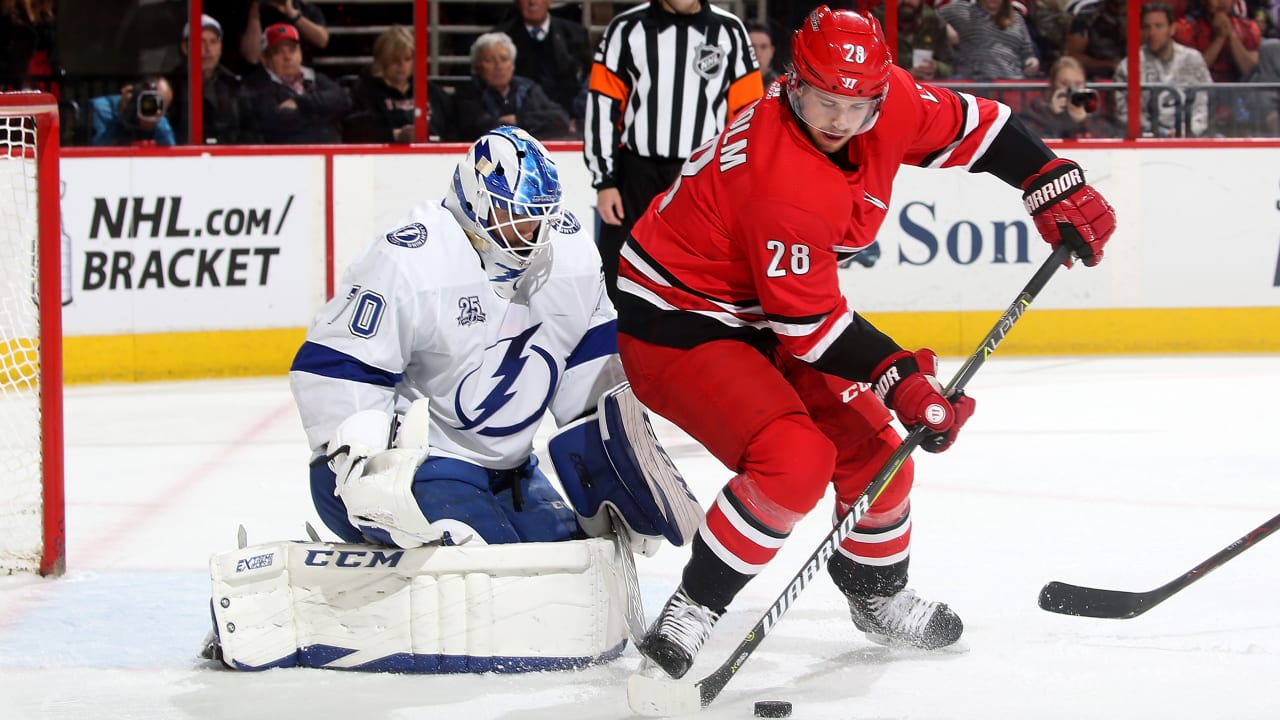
31,457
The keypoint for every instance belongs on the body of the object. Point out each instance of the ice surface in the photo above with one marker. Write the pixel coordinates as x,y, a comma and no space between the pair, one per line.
1112,472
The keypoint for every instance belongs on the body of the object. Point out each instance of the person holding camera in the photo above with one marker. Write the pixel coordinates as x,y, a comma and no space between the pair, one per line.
1066,110
134,117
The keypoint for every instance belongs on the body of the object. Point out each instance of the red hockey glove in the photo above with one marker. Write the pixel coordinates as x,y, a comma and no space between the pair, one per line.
1065,209
906,383
962,406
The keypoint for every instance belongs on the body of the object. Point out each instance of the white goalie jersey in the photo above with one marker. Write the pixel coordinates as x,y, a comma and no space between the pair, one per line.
416,316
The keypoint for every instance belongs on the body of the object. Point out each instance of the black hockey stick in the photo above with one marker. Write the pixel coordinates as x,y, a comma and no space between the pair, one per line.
663,697
1068,599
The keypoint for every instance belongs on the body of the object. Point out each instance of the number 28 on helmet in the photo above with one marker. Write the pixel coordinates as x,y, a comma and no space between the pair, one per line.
840,53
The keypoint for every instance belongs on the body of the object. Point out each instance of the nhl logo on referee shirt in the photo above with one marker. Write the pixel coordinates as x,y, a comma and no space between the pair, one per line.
708,61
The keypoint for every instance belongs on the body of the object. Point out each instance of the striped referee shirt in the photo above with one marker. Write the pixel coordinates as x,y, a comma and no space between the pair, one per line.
663,83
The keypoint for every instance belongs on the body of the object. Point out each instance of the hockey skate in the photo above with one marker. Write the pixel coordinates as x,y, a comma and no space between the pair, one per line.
677,635
904,619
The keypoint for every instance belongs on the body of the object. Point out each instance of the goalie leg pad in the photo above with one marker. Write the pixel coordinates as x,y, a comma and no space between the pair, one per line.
485,608
613,460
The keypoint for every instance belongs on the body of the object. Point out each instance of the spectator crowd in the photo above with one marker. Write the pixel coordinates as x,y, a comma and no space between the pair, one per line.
1061,64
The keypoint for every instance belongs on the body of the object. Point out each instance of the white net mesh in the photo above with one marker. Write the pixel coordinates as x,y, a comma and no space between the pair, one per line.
21,527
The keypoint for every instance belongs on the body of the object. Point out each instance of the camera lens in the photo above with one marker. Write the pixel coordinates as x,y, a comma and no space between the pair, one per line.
149,103
1087,99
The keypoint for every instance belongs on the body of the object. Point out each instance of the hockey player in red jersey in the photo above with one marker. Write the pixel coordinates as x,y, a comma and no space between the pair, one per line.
732,323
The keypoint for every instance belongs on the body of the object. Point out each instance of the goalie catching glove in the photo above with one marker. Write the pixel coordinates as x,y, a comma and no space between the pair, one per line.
906,383
1065,209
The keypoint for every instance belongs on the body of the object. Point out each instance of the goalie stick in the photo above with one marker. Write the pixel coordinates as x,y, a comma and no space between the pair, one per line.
662,697
633,609
1068,599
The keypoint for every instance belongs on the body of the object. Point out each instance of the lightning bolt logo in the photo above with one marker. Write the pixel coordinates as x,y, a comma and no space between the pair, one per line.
509,273
514,359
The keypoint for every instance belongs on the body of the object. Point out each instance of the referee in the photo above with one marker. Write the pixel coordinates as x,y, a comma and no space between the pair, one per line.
666,77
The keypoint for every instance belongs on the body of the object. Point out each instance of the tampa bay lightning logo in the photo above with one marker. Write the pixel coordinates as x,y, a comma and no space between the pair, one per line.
500,409
568,224
410,236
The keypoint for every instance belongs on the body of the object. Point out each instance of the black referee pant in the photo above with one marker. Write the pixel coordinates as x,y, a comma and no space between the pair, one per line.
639,179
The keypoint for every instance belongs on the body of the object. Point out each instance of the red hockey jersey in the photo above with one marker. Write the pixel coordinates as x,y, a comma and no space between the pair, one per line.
746,240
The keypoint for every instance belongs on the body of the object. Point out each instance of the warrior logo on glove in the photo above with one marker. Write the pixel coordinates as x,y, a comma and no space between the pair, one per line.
935,414
1066,209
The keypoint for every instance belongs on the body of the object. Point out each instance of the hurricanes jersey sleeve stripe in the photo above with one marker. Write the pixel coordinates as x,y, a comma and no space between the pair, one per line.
981,121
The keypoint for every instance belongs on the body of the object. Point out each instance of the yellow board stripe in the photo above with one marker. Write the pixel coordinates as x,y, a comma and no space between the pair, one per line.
180,356
1093,332
250,353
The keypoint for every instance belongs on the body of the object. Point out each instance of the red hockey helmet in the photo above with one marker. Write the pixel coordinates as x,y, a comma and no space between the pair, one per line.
842,52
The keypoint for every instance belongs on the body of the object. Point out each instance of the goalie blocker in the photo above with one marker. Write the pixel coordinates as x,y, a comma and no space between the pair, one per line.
612,459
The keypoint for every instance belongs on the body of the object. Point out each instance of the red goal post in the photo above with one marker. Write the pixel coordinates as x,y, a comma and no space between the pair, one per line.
32,521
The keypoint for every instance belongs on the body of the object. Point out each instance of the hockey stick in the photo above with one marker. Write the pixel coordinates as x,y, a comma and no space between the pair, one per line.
1068,599
633,605
663,697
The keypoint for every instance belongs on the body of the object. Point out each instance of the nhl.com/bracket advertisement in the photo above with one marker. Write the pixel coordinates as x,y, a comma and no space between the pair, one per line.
228,248
187,266
190,243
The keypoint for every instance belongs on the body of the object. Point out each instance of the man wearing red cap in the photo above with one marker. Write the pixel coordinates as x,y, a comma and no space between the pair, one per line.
305,17
292,103
732,324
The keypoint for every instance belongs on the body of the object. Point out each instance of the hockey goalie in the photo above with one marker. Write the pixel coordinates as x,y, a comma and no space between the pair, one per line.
421,386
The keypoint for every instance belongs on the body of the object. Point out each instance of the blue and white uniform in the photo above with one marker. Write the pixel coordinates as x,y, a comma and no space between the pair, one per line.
416,317
441,307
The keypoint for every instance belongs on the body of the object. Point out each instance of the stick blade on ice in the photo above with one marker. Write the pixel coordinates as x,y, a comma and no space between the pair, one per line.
1067,599
662,697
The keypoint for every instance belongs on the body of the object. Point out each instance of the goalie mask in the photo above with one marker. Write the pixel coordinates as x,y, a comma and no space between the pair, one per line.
840,72
506,196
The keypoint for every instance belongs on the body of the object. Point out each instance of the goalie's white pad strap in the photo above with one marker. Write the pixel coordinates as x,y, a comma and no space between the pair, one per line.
488,608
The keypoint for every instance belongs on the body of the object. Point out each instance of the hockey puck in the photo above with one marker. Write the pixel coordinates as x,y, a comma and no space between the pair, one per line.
773,709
